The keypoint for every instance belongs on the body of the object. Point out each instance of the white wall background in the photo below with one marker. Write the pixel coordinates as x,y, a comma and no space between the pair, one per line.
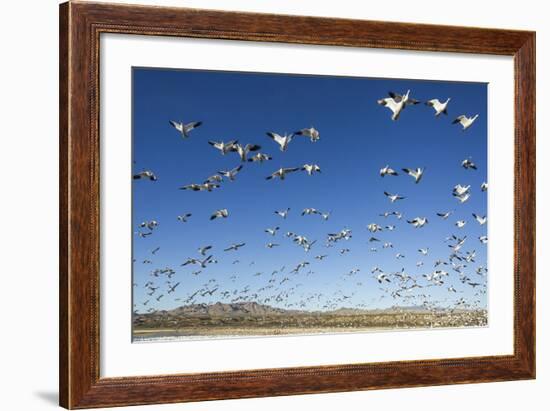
28,205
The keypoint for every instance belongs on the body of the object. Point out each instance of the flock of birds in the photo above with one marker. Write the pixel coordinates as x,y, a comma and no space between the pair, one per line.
286,286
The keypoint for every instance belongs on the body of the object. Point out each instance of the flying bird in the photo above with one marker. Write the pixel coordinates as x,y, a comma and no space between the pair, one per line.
151,225
281,173
223,213
183,128
216,178
223,147
310,211
415,173
243,151
271,231
418,222
283,213
393,197
326,215
200,187
234,247
283,141
259,157
438,106
311,168
202,263
146,174
373,227
465,122
203,250
480,219
231,174
460,223
397,103
469,164
387,171
311,132
173,288
184,217
444,216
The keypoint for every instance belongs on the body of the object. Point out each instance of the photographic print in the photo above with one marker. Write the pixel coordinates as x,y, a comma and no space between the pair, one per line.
274,204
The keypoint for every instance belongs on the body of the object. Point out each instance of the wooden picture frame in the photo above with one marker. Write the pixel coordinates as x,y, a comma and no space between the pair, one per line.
80,27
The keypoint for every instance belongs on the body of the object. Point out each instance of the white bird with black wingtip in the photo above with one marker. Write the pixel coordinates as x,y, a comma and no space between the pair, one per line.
183,128
465,122
438,106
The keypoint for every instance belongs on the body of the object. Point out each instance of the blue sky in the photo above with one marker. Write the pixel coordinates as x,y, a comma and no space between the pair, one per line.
357,139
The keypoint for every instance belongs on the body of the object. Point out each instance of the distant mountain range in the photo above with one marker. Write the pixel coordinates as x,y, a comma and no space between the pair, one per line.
254,309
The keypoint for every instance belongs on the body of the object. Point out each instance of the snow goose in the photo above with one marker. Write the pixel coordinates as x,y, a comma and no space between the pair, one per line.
465,122
172,288
326,216
418,222
283,213
243,151
223,213
259,157
438,106
234,247
397,103
415,173
423,251
203,250
300,240
483,239
460,223
231,174
282,172
468,164
151,225
310,211
387,171
462,193
283,141
223,147
271,231
463,198
393,197
444,216
382,277
373,227
183,128
484,186
321,257
311,132
200,187
307,246
271,245
146,174
214,179
480,219
311,168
